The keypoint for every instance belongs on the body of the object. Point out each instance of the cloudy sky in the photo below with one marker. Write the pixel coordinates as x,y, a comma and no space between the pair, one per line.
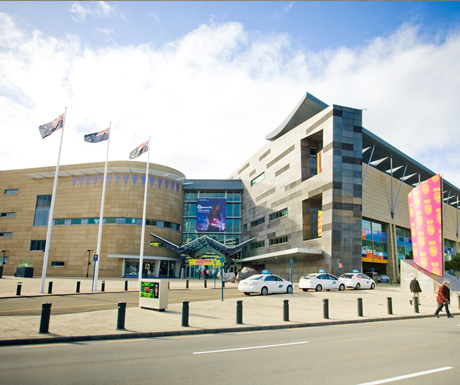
208,80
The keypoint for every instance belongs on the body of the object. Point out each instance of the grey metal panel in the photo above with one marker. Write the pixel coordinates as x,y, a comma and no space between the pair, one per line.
308,107
213,184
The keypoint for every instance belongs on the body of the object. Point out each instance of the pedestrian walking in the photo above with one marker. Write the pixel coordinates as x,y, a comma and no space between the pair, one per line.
415,290
443,299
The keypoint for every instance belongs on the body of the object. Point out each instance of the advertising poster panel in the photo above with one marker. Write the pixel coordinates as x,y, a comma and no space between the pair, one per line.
211,214
426,224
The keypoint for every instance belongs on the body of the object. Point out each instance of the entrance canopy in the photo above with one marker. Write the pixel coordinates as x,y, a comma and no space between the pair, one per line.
203,245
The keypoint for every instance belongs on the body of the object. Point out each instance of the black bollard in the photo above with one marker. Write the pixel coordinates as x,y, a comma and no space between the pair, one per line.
121,315
239,312
18,288
126,285
205,283
390,305
286,310
416,305
45,318
103,286
78,287
326,308
50,287
186,284
360,307
185,312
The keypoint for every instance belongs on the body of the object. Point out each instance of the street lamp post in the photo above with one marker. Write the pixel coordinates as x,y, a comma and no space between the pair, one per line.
89,263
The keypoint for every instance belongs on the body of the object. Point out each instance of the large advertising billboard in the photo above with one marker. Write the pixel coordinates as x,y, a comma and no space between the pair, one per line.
425,211
211,214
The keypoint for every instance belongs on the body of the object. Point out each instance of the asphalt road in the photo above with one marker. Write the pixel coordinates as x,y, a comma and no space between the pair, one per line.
409,352
77,303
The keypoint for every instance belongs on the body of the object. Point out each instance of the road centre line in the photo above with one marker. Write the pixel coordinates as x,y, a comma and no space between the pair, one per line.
252,347
406,376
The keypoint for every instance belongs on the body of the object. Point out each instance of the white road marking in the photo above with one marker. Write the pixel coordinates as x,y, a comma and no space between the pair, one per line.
252,347
407,376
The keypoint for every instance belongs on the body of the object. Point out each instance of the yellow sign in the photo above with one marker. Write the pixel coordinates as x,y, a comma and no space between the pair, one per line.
204,262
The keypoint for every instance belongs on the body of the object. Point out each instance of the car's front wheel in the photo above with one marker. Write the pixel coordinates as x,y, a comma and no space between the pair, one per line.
305,289
247,293
341,287
319,288
358,286
289,289
372,285
264,291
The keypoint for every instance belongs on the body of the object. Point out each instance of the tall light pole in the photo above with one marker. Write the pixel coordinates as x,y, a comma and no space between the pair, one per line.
89,263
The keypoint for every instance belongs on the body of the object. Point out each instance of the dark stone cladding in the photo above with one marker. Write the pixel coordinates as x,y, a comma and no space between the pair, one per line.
282,169
281,156
286,199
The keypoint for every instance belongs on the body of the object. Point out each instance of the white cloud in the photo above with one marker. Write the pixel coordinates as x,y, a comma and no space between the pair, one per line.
99,9
209,98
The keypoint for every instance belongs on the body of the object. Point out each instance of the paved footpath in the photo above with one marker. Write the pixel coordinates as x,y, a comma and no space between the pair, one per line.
306,309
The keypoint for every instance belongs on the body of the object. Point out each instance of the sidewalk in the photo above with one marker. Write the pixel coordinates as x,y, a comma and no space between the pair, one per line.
306,309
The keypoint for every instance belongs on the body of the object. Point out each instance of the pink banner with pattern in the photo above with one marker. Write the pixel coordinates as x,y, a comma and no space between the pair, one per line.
425,211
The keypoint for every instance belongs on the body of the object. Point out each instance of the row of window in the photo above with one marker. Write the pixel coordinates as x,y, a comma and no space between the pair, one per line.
12,191
116,221
272,242
231,209
8,215
271,217
228,195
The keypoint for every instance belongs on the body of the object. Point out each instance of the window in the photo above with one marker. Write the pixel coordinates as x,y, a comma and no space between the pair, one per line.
6,234
257,179
12,191
278,214
110,220
75,221
8,215
278,240
258,222
37,245
42,210
57,263
257,245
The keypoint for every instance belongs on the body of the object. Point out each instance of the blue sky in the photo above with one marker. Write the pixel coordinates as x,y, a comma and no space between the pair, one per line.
201,75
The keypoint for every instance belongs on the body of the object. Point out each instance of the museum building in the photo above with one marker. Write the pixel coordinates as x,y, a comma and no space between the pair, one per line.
322,193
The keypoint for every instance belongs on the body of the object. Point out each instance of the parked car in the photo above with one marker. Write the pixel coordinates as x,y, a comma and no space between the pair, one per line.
384,278
358,281
320,281
375,276
264,284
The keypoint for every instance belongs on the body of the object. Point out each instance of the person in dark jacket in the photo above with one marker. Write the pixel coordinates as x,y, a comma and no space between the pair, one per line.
443,299
415,290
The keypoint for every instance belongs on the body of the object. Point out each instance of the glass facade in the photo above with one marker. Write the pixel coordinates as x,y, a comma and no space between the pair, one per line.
403,242
374,242
232,234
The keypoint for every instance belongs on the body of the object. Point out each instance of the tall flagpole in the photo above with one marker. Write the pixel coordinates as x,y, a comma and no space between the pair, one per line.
141,255
101,216
51,214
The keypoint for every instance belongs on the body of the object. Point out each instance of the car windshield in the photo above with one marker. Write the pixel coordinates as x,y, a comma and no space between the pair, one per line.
309,276
256,277
347,276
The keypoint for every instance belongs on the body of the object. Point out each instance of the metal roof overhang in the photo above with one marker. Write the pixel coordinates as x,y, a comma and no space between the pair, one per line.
388,159
308,107
296,252
202,245
100,171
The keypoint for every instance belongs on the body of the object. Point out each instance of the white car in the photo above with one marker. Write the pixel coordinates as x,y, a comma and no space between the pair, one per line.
358,281
321,281
264,284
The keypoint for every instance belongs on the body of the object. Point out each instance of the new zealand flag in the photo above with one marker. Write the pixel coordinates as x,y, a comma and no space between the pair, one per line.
144,147
48,128
97,136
